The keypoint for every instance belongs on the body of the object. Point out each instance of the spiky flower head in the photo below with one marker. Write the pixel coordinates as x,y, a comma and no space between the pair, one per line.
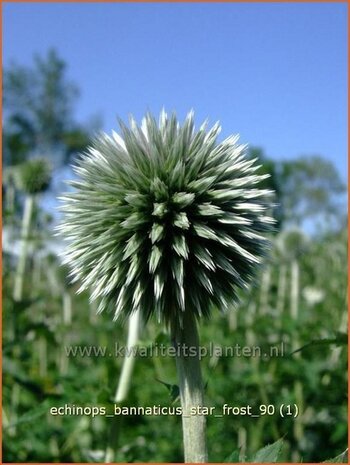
291,244
34,176
165,219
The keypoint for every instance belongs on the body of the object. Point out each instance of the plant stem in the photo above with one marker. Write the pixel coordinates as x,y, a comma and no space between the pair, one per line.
67,307
191,390
36,275
281,289
265,287
124,382
298,427
67,321
21,265
10,197
42,350
129,359
93,312
294,296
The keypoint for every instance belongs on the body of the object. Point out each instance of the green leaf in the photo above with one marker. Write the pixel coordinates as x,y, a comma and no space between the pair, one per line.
31,415
339,340
25,304
268,454
161,338
44,330
341,458
233,458
173,389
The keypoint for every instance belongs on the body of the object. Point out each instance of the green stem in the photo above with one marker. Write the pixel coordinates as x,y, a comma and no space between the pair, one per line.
294,310
21,265
129,359
10,197
93,312
67,321
42,350
186,340
281,289
294,295
265,287
124,382
67,307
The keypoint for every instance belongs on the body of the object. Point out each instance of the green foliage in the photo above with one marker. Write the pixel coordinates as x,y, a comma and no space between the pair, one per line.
75,140
339,340
16,146
308,189
271,454
30,391
311,187
268,454
38,110
174,390
47,95
341,458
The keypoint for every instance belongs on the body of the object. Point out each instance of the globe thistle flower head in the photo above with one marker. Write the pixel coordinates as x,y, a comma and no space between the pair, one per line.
34,176
292,243
165,219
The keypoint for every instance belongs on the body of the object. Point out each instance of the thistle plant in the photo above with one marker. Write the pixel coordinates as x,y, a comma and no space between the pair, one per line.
10,193
167,221
32,177
292,244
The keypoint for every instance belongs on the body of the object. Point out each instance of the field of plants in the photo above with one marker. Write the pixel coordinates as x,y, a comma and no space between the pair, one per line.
287,334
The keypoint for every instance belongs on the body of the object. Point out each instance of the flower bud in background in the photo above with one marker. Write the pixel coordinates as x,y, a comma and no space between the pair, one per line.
34,176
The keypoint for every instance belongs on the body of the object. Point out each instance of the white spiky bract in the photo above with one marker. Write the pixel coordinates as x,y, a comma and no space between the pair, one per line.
165,218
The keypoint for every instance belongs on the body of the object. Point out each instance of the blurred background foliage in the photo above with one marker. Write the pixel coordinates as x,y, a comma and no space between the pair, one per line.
299,300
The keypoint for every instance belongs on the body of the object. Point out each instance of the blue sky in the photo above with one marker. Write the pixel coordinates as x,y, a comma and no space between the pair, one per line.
274,72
